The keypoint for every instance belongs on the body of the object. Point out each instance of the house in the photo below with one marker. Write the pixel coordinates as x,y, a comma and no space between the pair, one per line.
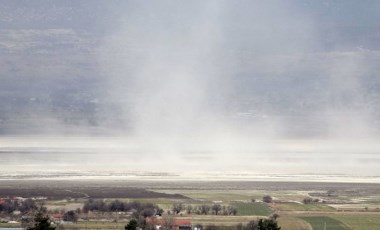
175,224
57,217
182,224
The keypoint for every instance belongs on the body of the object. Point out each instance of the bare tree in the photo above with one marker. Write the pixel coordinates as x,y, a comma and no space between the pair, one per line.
307,200
267,199
168,222
216,208
275,216
189,209
204,209
231,210
178,207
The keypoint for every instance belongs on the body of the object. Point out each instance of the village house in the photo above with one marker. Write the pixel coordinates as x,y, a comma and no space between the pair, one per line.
174,224
56,218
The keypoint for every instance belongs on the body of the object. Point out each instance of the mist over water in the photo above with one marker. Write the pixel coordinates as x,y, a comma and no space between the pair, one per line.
215,86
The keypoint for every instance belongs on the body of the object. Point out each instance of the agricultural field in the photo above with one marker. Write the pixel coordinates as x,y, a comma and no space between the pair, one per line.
302,207
325,222
252,209
338,206
360,222
294,223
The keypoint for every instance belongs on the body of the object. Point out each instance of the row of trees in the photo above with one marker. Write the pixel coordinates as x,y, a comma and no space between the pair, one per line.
204,209
309,200
260,224
147,209
24,206
140,211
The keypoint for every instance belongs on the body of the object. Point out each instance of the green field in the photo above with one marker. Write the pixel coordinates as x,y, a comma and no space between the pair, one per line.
215,195
304,207
293,223
324,222
360,222
254,209
345,210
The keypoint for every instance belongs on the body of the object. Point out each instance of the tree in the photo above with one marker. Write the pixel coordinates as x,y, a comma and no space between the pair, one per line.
70,216
147,212
252,225
9,206
27,205
204,209
177,208
189,209
275,216
268,224
267,199
116,205
168,222
132,225
224,210
307,200
41,221
216,208
261,224
160,211
231,210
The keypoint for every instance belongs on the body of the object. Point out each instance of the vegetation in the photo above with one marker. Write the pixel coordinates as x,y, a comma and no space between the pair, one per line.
204,209
263,224
178,207
304,207
324,222
309,200
71,216
189,209
267,199
293,223
214,209
360,222
96,192
11,205
258,209
132,225
146,209
41,221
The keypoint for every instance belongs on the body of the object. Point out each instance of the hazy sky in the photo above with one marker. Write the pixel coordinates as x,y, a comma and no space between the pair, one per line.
258,86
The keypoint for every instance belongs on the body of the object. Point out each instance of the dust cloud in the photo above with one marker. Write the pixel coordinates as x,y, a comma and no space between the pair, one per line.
228,86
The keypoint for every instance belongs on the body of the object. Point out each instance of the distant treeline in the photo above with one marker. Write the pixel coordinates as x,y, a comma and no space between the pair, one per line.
204,209
67,191
137,208
11,205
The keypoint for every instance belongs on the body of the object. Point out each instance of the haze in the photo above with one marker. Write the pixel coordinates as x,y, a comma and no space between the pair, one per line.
285,87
